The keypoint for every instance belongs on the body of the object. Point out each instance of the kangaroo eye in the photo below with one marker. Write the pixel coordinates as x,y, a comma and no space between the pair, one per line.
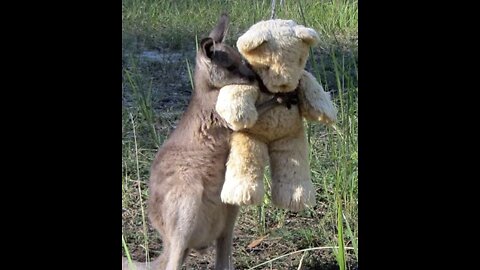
231,67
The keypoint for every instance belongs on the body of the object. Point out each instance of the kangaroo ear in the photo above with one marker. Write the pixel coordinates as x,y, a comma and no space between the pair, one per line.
219,33
206,46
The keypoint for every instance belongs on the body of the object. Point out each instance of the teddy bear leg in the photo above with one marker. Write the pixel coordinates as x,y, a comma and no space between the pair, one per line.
292,187
244,174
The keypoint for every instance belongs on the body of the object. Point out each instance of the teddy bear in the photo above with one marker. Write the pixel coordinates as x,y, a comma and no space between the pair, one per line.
277,51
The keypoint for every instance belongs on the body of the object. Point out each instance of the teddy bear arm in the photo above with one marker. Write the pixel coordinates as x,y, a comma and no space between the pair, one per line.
236,105
315,103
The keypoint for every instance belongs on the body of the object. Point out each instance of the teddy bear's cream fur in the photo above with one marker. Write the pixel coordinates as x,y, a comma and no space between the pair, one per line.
277,50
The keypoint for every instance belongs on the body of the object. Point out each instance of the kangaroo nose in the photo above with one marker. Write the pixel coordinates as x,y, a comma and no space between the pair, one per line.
248,73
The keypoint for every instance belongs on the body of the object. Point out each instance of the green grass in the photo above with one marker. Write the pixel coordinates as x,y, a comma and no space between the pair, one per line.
155,95
174,24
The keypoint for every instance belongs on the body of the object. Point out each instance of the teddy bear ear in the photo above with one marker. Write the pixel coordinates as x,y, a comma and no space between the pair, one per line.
250,41
308,35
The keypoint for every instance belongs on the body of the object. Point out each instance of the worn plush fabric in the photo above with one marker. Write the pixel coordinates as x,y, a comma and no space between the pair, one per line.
277,50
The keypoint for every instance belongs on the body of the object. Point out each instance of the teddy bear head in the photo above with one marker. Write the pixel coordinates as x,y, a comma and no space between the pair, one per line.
278,51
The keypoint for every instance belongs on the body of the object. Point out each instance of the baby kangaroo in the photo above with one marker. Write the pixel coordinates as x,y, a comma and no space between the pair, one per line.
188,172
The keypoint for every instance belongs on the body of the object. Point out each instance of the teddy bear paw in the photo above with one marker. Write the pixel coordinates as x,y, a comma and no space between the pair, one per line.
328,117
243,121
293,197
239,192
